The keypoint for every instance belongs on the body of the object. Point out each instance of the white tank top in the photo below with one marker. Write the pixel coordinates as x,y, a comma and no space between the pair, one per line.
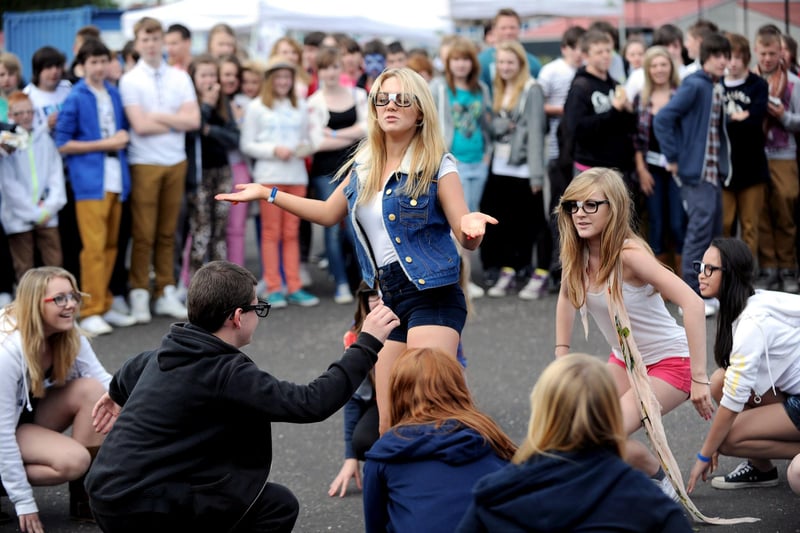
657,334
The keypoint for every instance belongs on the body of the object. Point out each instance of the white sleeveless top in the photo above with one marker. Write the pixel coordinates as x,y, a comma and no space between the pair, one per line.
657,334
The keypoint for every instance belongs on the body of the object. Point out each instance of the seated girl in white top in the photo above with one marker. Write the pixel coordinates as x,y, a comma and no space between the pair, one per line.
599,249
758,383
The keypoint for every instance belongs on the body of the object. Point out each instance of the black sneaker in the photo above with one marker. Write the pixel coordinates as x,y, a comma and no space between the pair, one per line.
746,476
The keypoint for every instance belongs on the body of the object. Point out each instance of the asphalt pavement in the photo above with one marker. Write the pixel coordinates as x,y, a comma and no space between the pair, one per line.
507,341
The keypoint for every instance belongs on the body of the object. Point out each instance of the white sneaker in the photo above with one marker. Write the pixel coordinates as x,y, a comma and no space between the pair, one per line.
140,305
118,320
536,286
343,294
5,299
504,283
305,276
666,487
120,305
95,325
475,291
181,293
169,305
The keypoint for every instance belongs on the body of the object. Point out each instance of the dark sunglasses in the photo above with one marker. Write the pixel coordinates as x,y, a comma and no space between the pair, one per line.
261,308
400,99
707,270
589,206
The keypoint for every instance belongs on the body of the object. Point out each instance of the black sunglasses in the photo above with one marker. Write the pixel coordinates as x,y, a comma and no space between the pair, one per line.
261,308
589,206
707,270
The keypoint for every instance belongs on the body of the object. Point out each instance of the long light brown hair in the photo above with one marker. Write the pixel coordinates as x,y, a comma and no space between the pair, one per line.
426,146
463,48
591,184
674,79
574,406
518,83
24,314
428,387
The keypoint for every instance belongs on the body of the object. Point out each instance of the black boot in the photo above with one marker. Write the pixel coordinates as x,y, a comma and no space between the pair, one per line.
78,499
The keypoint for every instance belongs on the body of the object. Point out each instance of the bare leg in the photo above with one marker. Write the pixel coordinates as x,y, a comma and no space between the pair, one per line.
637,454
761,434
418,337
50,458
71,405
793,474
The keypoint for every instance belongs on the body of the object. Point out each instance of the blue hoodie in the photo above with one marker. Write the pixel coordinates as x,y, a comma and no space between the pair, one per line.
591,490
419,478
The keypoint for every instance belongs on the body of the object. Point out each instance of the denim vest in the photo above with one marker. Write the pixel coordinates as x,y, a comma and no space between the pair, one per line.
419,232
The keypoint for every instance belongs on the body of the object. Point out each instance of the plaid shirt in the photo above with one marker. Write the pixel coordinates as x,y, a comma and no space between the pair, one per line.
711,165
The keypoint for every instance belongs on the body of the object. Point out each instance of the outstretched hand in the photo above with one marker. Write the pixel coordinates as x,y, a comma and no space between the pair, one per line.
348,471
700,469
473,225
380,322
104,414
247,192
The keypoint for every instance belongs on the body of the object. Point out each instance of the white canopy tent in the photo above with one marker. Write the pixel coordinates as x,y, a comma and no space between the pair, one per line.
415,20
481,9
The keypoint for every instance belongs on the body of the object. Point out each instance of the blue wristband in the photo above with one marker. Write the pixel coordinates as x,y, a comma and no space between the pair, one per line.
703,458
272,195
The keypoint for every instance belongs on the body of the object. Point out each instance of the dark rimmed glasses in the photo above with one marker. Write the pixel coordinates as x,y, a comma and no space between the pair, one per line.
589,207
61,300
707,270
400,99
261,308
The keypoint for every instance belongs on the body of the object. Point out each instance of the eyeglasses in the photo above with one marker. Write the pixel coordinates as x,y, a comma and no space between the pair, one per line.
21,113
400,99
61,300
707,270
261,308
589,206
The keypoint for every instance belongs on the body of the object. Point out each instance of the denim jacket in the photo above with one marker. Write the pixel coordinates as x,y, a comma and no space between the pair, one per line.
417,227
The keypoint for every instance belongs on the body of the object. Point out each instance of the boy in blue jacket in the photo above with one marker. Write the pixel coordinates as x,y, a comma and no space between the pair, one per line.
92,132
691,132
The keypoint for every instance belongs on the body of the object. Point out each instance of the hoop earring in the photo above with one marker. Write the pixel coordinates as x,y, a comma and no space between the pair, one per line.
420,123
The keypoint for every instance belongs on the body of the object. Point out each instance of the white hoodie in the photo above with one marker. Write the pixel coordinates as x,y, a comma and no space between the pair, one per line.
14,397
766,349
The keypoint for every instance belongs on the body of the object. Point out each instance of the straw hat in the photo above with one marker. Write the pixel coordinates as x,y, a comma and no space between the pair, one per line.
279,63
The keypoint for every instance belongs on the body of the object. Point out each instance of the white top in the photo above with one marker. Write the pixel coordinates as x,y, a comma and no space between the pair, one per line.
264,129
370,216
635,84
46,103
766,349
14,397
163,90
555,79
657,334
112,170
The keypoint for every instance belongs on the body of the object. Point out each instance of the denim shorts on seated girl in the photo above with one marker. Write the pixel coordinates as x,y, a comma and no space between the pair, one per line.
792,406
440,306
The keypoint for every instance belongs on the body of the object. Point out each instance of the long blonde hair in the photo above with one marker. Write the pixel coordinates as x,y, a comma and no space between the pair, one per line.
609,183
574,406
427,386
518,83
426,147
674,78
25,315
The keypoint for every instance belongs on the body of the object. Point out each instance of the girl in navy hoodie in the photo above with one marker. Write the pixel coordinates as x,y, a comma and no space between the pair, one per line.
569,475
419,474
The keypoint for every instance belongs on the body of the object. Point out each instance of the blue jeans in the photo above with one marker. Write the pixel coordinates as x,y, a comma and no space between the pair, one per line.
322,188
703,205
473,179
665,206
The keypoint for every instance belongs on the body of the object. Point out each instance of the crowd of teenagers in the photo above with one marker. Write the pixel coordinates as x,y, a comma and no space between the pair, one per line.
620,181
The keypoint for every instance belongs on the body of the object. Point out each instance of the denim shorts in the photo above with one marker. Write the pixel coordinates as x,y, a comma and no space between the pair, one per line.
792,406
441,306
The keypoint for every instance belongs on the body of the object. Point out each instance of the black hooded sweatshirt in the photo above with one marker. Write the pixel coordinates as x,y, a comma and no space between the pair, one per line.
194,436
